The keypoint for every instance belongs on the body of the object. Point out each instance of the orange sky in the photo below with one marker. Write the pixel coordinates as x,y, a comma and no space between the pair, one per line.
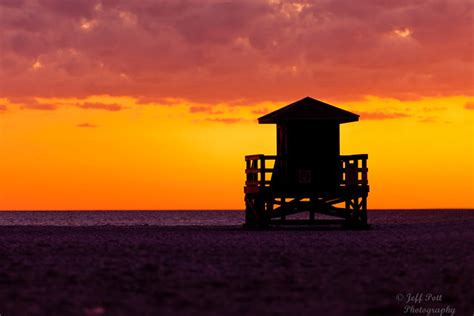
135,105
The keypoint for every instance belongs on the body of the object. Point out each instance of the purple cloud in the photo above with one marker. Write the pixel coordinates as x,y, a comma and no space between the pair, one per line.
261,111
225,120
27,103
38,106
469,106
204,109
381,115
249,50
200,109
101,106
86,125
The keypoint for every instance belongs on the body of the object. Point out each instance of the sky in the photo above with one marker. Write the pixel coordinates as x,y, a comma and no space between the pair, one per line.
117,104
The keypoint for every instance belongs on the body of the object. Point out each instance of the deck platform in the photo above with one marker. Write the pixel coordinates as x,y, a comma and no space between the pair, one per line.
271,203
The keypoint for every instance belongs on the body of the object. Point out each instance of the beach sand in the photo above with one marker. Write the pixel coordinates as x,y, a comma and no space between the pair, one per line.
217,270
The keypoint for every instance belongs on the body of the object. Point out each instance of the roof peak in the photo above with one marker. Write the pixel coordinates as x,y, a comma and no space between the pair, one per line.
309,109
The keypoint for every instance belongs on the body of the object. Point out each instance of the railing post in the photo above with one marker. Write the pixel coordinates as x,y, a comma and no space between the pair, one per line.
254,166
343,171
262,171
247,165
364,172
282,206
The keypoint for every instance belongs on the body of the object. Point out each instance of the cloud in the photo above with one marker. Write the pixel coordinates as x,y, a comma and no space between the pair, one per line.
261,111
28,103
3,108
155,100
86,125
428,119
200,109
250,50
469,106
434,108
381,115
101,106
204,109
225,120
38,106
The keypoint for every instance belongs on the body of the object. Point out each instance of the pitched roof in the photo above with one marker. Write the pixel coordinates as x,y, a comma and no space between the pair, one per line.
309,109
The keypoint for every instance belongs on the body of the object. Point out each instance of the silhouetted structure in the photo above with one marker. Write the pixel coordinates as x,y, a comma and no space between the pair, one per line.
308,174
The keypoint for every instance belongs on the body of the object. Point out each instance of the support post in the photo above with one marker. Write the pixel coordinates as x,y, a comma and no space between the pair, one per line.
283,203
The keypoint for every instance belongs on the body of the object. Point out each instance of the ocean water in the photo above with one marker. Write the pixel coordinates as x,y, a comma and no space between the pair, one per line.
202,218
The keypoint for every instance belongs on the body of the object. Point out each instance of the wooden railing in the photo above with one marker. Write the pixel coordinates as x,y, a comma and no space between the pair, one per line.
354,170
259,169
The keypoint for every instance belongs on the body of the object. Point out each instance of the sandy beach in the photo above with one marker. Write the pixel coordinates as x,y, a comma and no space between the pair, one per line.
216,270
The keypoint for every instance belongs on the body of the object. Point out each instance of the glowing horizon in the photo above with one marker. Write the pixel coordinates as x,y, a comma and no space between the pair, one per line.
145,105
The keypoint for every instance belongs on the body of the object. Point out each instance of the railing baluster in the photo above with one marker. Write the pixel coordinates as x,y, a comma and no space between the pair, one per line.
364,172
256,170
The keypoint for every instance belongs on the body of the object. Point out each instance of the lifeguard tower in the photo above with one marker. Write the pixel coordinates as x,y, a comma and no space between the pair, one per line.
308,174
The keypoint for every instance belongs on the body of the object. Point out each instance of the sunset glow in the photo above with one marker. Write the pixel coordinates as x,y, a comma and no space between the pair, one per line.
153,105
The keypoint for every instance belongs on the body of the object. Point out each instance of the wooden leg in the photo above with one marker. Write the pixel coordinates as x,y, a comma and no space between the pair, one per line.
364,210
283,202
